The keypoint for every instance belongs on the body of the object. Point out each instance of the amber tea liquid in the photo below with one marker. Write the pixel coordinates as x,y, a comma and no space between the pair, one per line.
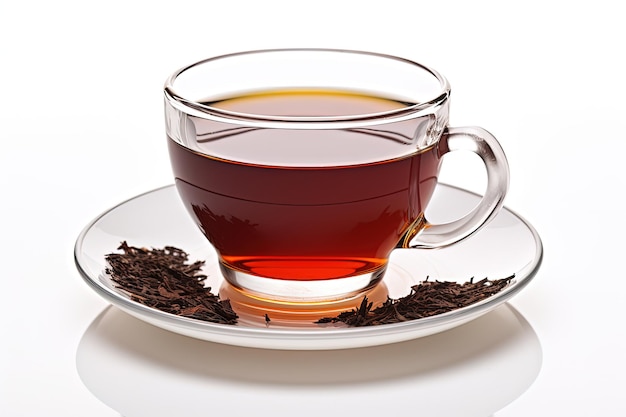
272,209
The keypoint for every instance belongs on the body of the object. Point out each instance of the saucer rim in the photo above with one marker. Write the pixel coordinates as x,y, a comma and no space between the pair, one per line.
306,338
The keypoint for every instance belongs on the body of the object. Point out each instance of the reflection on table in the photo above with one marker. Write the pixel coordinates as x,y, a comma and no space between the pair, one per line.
472,370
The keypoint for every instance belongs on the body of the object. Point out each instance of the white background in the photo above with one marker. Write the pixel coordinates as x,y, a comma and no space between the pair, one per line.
81,129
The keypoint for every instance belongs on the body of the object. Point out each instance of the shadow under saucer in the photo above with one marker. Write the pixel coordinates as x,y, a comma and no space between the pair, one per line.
472,370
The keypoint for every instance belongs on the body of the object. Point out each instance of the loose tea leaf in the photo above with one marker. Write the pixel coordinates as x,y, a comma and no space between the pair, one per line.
162,279
426,299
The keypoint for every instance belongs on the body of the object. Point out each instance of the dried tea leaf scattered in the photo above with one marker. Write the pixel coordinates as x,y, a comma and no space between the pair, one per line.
164,279
426,299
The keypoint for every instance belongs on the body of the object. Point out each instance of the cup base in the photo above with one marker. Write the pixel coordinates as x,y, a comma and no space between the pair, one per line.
253,310
292,292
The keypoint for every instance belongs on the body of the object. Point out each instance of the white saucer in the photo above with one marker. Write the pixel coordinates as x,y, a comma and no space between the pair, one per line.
508,245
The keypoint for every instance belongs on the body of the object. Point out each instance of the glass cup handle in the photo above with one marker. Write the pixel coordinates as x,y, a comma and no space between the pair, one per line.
485,145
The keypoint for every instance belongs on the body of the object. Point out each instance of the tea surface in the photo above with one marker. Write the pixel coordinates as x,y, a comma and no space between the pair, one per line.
304,147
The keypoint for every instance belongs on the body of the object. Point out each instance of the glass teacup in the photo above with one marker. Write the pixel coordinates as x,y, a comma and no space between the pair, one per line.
306,168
